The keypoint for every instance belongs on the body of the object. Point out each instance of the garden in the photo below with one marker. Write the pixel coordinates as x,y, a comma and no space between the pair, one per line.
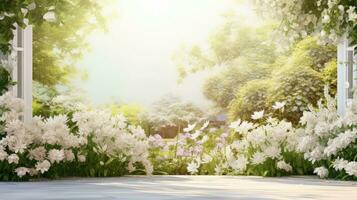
273,89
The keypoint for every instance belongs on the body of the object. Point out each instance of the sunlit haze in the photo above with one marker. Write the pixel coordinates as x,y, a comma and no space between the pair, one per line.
132,62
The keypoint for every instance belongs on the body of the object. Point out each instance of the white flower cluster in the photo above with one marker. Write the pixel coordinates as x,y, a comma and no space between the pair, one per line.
113,137
47,142
258,144
262,142
327,19
325,135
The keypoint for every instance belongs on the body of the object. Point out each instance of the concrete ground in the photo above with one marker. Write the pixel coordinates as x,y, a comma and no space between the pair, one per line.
180,187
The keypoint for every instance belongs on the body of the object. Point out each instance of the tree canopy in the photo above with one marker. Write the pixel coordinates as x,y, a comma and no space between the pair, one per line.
60,29
326,19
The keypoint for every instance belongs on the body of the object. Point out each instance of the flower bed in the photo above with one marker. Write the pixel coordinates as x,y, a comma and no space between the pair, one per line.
91,143
95,143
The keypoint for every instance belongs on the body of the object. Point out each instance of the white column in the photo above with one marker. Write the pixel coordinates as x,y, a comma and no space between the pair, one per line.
22,68
27,73
342,76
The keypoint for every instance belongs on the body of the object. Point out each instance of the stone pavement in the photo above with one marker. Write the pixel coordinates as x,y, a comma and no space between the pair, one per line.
180,187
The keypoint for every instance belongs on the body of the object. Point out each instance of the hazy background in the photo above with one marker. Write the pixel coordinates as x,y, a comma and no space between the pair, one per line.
132,62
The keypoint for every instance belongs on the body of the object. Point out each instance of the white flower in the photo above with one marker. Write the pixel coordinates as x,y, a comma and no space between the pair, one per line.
55,155
130,167
258,158
322,172
38,153
3,155
341,8
340,142
258,115
192,167
196,134
278,105
284,166
206,158
352,15
351,168
21,171
326,19
69,155
205,125
137,131
13,158
81,158
50,16
31,6
218,170
272,151
43,166
240,164
239,145
339,164
24,11
241,127
189,128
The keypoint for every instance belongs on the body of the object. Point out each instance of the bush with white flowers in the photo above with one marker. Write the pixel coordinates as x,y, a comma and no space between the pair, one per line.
327,19
329,141
95,143
92,143
263,148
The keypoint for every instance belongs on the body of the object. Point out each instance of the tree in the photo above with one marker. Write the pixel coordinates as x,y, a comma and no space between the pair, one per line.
172,111
60,30
234,43
325,19
221,88
243,52
297,79
251,97
58,45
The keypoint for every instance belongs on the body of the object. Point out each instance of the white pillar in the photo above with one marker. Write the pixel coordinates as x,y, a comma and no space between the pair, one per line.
342,76
22,69
27,73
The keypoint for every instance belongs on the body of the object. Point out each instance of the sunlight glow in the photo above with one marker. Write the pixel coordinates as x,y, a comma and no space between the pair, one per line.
132,61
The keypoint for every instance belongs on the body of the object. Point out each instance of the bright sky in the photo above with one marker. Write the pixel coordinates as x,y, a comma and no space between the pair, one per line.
132,63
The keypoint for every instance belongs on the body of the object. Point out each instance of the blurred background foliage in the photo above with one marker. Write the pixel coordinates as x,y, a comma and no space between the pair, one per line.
254,73
249,71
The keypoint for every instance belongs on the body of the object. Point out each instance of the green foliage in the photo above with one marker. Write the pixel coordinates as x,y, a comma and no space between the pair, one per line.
59,45
309,53
52,101
222,87
328,20
234,44
242,52
131,112
5,80
10,13
297,87
251,97
172,111
330,76
297,79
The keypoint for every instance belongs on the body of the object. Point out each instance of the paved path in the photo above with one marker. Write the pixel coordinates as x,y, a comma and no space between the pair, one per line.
180,187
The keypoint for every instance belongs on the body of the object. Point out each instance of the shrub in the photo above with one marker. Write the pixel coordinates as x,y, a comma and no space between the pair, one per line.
309,53
329,140
5,80
251,97
92,143
297,87
330,76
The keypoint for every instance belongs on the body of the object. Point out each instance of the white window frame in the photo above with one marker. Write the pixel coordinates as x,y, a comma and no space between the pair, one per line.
343,74
22,68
